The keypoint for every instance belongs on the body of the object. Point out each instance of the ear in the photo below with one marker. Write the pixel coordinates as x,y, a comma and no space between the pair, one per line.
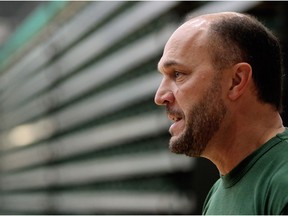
242,74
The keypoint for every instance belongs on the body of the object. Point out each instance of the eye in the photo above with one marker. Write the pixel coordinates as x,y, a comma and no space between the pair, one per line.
177,74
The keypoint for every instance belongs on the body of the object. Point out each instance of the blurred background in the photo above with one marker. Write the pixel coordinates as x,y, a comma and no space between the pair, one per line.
79,131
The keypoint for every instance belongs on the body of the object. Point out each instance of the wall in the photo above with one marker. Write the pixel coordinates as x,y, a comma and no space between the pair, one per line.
80,133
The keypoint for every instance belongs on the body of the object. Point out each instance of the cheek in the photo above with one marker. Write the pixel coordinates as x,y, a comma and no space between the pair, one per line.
188,92
185,99
191,93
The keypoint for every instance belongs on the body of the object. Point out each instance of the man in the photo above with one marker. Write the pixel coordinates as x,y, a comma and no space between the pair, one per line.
222,88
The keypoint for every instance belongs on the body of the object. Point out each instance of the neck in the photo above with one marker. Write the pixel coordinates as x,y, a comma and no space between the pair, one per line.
241,137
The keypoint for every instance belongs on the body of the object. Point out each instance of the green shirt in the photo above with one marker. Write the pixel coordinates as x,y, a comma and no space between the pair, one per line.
257,185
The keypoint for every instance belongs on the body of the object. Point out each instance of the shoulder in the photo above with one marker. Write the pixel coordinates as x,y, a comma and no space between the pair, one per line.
278,189
279,179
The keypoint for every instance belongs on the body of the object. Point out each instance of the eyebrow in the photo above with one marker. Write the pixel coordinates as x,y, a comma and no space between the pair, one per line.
168,64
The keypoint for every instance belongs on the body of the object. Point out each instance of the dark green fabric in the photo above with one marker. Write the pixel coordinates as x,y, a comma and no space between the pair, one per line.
258,185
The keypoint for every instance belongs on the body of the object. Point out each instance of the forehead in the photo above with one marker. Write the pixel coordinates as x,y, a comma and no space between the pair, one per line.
187,43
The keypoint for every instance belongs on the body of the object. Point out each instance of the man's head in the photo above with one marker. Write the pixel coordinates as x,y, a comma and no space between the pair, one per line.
198,65
242,38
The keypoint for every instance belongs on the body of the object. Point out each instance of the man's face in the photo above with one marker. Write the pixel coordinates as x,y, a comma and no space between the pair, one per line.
191,91
202,121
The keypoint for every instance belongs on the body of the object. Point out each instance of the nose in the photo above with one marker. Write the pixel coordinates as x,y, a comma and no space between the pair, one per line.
164,94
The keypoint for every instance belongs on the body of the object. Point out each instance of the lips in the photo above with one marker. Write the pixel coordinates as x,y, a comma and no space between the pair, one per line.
174,117
178,124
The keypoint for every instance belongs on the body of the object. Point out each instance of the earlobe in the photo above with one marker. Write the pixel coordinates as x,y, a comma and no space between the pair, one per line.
242,74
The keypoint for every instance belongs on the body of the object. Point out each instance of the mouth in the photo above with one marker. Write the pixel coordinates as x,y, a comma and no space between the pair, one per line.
178,123
174,118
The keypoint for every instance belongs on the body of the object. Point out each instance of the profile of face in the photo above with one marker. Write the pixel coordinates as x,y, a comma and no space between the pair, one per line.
190,90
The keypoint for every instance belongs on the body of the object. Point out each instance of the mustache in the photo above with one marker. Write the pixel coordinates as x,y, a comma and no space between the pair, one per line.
173,111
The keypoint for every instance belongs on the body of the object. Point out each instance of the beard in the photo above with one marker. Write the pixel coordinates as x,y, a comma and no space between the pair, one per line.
203,121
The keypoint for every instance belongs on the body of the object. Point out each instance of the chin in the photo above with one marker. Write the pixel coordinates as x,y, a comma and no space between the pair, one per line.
176,145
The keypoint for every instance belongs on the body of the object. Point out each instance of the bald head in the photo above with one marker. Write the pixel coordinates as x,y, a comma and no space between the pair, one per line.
197,31
206,20
215,16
